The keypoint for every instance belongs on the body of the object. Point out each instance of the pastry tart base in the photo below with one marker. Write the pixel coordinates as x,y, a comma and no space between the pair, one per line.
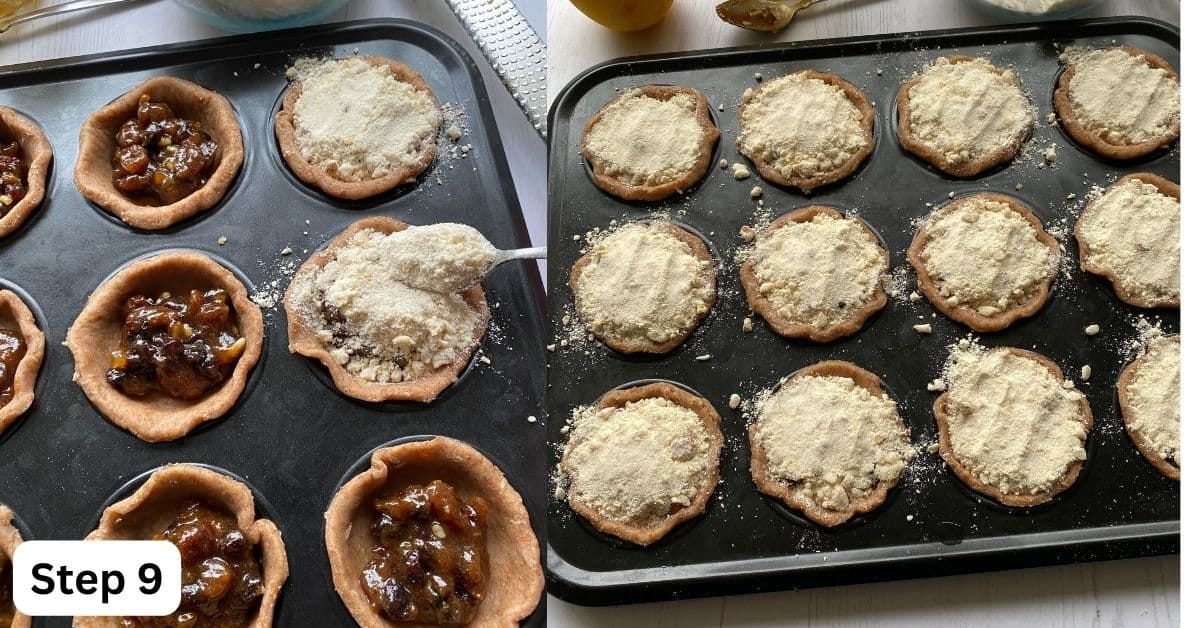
811,183
782,490
38,153
302,337
1164,466
96,333
936,158
1079,133
967,315
646,193
645,345
155,505
1018,500
515,580
1167,188
790,329
97,139
651,531
285,134
16,314
10,538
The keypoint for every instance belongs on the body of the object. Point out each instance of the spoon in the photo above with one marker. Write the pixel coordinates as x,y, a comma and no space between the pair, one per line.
447,257
461,278
537,252
56,9
762,15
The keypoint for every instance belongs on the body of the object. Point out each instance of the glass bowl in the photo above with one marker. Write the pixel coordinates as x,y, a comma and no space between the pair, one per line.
1026,11
247,16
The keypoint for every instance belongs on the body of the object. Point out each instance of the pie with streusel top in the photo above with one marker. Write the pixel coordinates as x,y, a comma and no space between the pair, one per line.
642,460
829,443
650,142
816,274
807,130
645,287
985,261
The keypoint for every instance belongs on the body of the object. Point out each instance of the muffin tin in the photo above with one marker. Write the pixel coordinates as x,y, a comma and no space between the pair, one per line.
292,436
932,524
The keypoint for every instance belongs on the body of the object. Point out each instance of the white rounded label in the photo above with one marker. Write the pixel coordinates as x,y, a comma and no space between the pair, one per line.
97,578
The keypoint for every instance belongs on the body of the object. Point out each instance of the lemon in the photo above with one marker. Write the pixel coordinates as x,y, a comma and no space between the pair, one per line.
625,15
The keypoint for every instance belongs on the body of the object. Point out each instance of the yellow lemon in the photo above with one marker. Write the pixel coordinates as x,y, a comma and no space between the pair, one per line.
625,15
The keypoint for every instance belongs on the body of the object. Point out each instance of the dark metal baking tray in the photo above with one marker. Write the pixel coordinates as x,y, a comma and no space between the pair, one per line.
1120,507
292,437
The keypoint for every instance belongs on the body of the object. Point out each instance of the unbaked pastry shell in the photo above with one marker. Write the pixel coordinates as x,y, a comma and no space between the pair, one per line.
97,139
645,193
965,314
14,312
1070,122
782,489
38,153
1164,466
1167,188
651,531
96,333
285,133
515,580
790,329
1019,500
808,184
10,538
156,504
644,345
931,155
302,338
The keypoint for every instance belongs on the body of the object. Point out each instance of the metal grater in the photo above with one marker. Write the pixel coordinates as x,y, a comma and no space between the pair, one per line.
513,48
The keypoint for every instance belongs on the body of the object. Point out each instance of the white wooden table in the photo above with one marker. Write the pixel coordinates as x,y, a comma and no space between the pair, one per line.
161,22
1142,592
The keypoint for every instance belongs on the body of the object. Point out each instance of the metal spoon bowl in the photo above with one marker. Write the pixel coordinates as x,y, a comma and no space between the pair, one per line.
762,15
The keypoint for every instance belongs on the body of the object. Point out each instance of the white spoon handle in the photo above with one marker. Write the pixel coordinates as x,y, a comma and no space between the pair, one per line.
537,252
